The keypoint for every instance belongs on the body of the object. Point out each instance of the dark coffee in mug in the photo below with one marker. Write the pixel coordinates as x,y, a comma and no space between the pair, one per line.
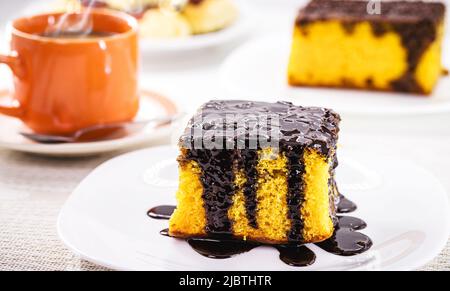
74,35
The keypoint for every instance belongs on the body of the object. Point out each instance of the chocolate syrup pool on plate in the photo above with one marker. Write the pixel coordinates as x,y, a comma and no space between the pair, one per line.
161,212
345,241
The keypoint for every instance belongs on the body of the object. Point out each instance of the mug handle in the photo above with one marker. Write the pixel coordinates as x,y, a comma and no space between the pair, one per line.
13,62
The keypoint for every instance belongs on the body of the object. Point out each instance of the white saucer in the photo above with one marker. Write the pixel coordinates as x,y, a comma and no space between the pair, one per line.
152,105
105,221
258,70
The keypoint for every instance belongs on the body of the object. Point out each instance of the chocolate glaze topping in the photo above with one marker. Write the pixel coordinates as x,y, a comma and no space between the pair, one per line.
344,242
415,22
356,11
313,127
299,128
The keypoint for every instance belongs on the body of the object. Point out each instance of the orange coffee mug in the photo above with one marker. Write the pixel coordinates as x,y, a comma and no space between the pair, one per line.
63,84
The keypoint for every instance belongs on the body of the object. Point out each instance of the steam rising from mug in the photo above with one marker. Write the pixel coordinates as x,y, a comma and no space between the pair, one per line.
78,19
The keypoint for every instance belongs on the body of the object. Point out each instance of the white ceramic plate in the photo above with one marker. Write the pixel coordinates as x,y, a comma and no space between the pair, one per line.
259,68
156,46
152,105
105,221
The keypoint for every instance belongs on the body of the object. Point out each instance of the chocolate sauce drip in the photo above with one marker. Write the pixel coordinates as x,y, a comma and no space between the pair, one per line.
220,248
293,255
218,187
295,195
345,205
164,232
250,162
161,212
344,242
296,255
351,222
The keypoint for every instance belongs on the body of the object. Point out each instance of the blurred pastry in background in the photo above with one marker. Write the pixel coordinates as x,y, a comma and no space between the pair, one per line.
210,15
64,6
339,43
173,18
160,23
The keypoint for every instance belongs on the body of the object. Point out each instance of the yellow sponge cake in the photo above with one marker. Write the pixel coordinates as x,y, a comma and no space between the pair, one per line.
343,43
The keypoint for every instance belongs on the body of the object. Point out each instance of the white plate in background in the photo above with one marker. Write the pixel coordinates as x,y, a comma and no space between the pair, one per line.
105,219
258,71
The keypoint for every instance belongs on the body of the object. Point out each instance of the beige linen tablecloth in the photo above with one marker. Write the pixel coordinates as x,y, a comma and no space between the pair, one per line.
33,191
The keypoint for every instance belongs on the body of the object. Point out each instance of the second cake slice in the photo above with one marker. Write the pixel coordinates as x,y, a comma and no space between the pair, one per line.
344,43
